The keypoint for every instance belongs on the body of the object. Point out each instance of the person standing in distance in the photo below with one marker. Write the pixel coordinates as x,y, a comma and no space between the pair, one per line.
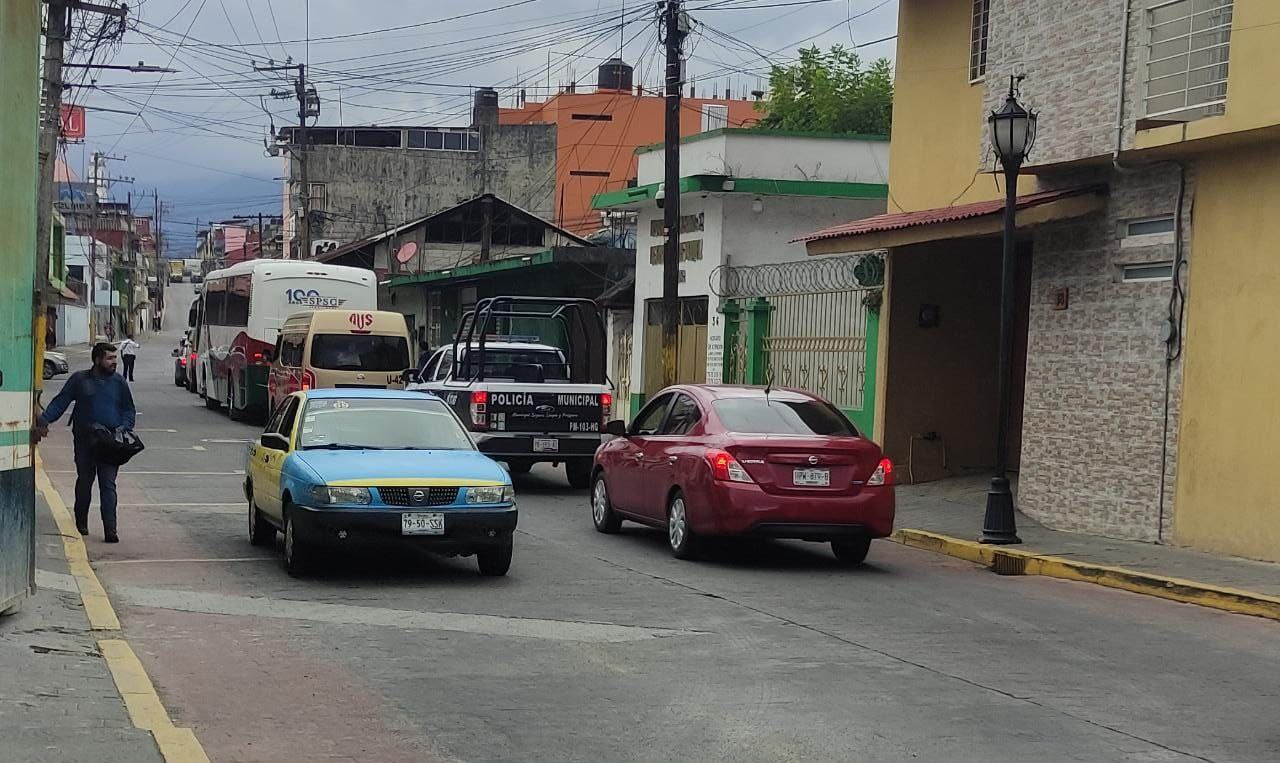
101,396
129,354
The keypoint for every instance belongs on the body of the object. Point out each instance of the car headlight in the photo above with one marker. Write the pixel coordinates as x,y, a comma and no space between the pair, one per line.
331,494
491,494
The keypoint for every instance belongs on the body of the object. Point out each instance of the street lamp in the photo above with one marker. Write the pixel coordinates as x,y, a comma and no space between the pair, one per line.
1013,131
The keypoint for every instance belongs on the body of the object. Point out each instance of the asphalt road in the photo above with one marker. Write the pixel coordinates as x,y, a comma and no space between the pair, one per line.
604,648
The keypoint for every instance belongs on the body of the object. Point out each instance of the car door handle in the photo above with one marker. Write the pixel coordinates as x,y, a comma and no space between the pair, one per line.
671,459
638,456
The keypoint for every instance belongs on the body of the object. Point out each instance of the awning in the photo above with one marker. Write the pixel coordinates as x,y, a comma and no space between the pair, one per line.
963,221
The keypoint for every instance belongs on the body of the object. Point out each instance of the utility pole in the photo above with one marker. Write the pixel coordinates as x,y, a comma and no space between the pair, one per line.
676,26
308,106
262,251
56,34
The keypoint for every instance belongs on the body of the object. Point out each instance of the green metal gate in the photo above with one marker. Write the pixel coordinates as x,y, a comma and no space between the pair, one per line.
812,325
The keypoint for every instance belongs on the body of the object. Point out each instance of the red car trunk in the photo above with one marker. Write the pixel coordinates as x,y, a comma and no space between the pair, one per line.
799,465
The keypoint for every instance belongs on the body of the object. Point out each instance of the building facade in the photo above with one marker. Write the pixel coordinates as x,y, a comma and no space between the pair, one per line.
744,195
1143,228
364,180
598,131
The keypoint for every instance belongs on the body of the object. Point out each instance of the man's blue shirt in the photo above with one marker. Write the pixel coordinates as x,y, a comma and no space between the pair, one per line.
100,399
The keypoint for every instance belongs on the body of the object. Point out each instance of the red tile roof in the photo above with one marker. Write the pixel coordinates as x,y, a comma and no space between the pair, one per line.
900,220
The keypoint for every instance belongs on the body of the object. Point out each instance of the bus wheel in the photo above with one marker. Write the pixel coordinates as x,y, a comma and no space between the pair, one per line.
234,413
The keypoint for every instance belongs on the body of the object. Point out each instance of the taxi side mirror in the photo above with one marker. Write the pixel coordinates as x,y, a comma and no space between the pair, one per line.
617,428
175,352
409,376
274,441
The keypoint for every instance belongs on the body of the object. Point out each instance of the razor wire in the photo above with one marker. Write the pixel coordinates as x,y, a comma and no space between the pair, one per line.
828,274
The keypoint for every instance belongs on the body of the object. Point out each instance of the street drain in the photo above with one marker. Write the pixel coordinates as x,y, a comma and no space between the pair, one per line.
1008,564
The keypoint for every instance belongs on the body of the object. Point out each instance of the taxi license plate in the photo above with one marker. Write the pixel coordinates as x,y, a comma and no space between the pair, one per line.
811,477
546,445
422,524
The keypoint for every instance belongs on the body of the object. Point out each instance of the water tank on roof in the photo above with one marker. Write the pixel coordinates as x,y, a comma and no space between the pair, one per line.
485,109
614,74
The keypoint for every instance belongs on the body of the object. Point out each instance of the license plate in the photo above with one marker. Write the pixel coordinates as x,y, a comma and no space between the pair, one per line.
422,524
546,445
811,477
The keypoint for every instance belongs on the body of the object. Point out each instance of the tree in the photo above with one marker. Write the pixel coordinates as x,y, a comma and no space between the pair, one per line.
830,92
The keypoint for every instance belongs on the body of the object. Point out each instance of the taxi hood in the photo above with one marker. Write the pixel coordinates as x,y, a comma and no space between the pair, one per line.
416,467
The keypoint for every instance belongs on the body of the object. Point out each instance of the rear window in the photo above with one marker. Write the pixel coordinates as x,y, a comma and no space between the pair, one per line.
782,416
522,365
359,352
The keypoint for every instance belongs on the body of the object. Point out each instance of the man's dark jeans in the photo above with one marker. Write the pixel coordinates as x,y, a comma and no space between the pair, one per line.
87,469
129,360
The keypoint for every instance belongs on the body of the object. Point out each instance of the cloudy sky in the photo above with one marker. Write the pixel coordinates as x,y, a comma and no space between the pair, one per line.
196,135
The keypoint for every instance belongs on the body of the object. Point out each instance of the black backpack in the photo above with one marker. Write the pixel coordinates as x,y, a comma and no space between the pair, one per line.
115,446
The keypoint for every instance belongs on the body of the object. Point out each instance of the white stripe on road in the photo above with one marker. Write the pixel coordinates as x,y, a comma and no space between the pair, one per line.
343,614
149,447
225,442
155,430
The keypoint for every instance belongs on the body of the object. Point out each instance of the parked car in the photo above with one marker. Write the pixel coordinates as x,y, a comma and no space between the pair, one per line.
339,467
55,364
180,356
703,460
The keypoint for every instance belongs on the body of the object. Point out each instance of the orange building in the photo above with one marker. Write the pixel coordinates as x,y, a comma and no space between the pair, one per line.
598,132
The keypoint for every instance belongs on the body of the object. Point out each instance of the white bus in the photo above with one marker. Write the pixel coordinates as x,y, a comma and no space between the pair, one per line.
244,307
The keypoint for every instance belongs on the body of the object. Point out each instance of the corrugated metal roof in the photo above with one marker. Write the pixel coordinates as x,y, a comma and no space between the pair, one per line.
901,220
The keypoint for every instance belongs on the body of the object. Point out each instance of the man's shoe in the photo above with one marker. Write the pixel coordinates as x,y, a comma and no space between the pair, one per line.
111,537
84,529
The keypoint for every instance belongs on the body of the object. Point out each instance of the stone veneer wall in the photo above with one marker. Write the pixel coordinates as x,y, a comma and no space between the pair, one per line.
1095,387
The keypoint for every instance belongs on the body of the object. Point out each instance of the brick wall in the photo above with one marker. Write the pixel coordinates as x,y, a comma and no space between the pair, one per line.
1094,409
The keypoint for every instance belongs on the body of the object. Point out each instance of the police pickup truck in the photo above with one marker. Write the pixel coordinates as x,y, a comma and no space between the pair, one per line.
526,400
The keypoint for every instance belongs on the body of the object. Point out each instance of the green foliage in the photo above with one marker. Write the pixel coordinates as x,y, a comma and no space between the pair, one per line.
829,91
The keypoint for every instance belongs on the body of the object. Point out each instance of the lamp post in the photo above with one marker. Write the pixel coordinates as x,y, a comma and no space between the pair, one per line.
1013,131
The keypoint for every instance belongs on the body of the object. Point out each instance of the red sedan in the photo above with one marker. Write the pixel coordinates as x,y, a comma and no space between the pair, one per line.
702,460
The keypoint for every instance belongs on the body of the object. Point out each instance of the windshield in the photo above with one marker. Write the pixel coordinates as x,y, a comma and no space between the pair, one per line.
359,352
776,415
389,424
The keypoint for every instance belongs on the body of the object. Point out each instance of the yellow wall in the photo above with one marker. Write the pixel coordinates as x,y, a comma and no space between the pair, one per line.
1251,82
1227,497
937,114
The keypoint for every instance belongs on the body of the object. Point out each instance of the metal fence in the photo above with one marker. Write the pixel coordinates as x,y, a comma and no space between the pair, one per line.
818,342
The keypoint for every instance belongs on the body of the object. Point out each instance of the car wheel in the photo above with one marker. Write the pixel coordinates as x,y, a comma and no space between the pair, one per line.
684,544
261,532
606,521
579,472
851,552
49,371
494,561
519,467
297,553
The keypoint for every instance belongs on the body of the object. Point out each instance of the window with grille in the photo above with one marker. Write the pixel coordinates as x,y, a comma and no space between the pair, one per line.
714,117
1188,47
978,39
318,197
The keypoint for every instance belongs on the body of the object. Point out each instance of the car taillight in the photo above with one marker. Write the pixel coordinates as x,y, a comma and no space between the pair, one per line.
480,409
606,406
725,468
257,357
883,475
182,362
308,380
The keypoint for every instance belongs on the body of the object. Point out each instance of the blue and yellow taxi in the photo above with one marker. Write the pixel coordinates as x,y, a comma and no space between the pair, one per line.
340,467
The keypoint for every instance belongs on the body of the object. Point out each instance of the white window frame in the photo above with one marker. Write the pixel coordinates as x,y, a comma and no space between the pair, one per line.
979,39
715,116
1129,241
1122,270
1188,111
318,191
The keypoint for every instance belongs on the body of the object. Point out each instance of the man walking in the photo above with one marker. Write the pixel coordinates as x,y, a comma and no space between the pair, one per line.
101,397
129,354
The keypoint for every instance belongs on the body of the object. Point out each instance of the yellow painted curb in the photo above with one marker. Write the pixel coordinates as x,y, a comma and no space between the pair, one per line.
177,745
102,617
1014,562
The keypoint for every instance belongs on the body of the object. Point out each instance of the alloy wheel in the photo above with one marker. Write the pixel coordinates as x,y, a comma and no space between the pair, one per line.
677,523
599,502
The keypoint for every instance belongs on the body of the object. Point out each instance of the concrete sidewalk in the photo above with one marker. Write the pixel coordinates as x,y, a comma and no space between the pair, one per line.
58,700
953,509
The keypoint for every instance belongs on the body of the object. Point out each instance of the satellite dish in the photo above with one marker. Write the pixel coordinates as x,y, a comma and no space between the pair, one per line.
406,253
